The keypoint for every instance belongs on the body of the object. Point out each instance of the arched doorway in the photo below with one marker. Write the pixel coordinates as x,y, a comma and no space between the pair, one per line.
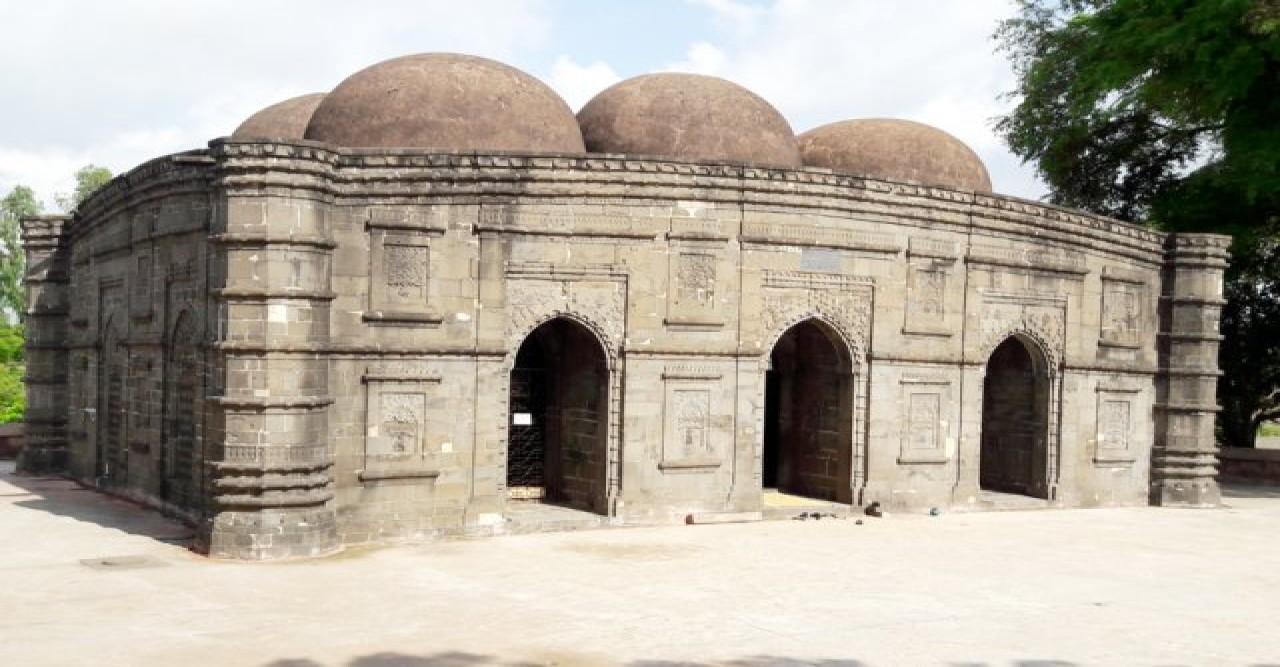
808,424
1015,417
182,385
558,433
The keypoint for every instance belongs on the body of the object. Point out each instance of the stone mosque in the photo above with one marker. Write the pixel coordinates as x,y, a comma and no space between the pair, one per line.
432,298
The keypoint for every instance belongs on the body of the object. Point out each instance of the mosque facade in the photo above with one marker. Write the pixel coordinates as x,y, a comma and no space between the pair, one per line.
419,303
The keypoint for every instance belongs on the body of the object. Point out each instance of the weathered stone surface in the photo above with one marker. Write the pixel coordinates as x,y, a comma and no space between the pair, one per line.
687,116
298,346
445,101
895,150
282,120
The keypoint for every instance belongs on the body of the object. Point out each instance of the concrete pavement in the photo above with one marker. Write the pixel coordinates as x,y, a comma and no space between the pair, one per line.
90,580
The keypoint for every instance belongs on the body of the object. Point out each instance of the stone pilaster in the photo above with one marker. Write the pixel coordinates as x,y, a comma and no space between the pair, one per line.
47,323
272,483
1184,458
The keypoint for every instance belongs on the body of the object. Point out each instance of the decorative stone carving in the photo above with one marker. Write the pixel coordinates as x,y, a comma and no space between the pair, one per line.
1114,433
926,307
595,303
1039,317
696,279
405,271
924,432
1124,310
843,302
399,279
692,413
400,431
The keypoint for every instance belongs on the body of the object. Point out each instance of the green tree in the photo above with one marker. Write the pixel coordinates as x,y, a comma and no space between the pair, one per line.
88,179
17,204
1164,112
13,395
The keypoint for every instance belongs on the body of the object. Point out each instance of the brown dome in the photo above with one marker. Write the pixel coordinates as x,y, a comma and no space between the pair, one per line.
282,120
446,101
895,150
687,116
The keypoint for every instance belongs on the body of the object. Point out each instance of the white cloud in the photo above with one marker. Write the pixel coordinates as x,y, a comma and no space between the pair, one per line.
820,61
119,83
577,84
702,58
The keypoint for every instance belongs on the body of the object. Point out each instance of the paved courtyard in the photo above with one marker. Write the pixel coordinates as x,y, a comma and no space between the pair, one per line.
89,580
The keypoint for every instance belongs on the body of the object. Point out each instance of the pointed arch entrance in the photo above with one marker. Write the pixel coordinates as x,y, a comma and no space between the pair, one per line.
558,434
808,426
1015,421
180,483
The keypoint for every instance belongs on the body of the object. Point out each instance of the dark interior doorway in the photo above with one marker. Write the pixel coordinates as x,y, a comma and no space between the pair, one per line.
808,423
1015,409
557,435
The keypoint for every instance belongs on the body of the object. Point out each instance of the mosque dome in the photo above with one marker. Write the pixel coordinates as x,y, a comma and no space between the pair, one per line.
687,116
895,150
282,120
445,101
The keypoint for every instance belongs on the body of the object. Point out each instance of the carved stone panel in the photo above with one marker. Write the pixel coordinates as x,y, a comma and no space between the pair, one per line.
695,286
398,431
399,278
926,311
597,300
695,436
843,302
1114,435
691,410
1037,316
1124,309
400,428
924,440
923,411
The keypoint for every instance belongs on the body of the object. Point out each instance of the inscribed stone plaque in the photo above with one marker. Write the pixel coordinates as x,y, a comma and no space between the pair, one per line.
692,412
1122,312
923,412
1113,425
696,278
399,278
405,273
926,311
402,416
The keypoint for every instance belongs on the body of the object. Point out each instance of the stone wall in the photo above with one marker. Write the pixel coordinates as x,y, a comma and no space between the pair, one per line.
352,320
1241,464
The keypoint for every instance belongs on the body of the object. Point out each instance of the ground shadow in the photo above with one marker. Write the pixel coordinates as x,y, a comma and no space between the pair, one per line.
63,497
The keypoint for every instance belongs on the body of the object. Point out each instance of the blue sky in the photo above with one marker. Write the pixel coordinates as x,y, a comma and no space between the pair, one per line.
117,83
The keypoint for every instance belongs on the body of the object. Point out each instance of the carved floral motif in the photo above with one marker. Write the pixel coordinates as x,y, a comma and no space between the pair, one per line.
1046,325
597,304
848,311
692,411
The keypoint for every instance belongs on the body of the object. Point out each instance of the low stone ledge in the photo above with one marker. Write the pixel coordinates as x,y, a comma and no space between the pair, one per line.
1251,465
408,473
689,465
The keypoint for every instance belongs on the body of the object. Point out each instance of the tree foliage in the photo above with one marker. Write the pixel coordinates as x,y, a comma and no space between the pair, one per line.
17,204
1165,112
13,395
88,179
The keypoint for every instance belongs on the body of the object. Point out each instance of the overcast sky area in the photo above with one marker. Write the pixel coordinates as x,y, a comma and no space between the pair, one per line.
118,83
